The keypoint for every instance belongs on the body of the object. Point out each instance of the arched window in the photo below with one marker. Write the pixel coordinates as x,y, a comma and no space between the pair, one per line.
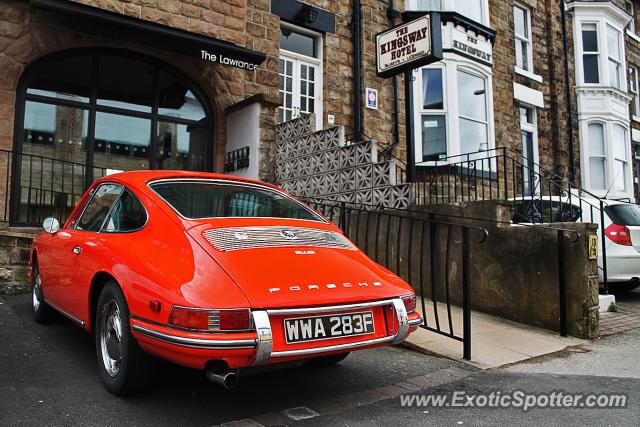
82,114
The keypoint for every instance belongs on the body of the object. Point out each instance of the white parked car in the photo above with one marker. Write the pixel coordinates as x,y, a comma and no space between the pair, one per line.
621,229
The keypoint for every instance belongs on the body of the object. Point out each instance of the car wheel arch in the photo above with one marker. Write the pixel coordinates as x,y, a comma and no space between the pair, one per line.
97,284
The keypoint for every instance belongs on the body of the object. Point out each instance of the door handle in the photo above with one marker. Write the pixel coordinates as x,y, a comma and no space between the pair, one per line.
77,250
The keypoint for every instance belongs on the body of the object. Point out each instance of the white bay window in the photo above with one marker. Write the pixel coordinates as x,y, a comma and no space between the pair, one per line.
476,10
453,113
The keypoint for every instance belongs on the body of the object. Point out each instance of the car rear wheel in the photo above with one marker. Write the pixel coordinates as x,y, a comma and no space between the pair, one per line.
328,360
620,288
124,366
41,311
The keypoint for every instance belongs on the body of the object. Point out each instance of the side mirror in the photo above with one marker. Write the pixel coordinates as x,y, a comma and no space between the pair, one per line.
51,225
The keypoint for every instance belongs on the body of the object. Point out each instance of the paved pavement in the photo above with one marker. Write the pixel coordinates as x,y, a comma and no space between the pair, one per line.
627,317
48,376
494,341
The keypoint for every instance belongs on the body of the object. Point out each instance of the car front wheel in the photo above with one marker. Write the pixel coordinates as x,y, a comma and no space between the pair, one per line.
123,365
41,311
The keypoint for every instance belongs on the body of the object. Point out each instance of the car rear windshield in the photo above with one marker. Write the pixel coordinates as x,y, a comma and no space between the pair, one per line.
624,214
194,200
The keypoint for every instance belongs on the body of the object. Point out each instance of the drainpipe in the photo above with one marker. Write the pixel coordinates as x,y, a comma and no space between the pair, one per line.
572,168
393,13
357,91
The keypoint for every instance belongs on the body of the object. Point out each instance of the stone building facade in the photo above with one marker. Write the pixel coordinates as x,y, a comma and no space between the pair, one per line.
221,74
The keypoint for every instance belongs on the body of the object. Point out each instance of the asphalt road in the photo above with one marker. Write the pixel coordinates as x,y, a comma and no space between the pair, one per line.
48,376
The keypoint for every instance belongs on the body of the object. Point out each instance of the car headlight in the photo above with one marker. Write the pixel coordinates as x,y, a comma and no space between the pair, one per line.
211,319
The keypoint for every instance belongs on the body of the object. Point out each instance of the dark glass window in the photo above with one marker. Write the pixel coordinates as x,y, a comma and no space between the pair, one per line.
66,78
434,137
90,112
297,42
98,208
127,214
432,89
125,83
214,200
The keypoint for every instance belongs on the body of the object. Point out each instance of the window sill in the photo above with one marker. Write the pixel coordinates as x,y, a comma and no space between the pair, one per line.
528,74
633,36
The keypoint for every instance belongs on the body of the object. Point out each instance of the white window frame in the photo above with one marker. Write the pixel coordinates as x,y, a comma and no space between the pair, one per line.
533,128
626,167
633,90
527,41
421,111
316,62
597,53
604,77
450,6
611,59
609,159
631,26
450,66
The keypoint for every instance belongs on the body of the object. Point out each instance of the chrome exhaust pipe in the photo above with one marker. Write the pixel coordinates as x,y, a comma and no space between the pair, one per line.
226,377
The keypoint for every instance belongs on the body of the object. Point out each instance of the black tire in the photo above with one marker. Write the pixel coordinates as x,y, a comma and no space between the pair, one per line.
620,288
41,311
123,365
328,360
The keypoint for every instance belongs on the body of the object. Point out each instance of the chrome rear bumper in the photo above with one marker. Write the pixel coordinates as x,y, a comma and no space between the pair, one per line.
261,320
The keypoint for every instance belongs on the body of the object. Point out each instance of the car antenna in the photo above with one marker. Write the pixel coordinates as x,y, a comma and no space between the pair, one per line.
611,185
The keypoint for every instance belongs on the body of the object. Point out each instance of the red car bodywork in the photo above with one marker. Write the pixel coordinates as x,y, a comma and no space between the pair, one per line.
170,263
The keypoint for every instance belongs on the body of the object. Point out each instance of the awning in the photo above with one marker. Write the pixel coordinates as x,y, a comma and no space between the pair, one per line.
111,25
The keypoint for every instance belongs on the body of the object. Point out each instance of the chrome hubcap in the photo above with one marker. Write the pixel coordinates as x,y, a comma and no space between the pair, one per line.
111,339
36,293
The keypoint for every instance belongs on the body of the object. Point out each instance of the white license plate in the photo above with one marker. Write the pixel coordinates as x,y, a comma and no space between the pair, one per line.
300,329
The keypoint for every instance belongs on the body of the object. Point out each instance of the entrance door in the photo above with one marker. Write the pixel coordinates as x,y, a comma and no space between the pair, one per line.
298,87
529,168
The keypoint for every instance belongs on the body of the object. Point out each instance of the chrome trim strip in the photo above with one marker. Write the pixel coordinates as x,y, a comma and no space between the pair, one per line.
265,337
194,342
326,309
65,314
348,346
403,321
415,322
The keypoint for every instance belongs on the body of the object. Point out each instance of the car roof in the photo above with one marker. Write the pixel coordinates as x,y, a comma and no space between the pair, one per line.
141,178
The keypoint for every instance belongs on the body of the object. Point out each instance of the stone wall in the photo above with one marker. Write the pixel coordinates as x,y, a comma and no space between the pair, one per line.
513,273
632,49
14,258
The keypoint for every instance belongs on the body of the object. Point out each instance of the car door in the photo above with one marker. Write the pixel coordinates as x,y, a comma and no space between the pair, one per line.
79,245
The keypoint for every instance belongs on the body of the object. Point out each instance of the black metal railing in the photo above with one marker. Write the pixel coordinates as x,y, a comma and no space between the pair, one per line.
539,195
407,243
38,186
419,247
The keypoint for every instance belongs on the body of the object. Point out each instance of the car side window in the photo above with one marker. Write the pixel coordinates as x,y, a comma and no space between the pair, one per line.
99,206
127,214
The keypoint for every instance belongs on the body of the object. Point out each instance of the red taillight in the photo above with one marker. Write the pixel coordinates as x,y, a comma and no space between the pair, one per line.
211,320
189,318
618,234
409,303
234,320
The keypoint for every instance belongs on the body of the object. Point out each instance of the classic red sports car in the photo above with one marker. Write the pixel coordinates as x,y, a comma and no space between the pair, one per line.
211,272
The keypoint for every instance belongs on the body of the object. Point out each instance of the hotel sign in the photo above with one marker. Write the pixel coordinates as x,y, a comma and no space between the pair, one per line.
467,44
408,46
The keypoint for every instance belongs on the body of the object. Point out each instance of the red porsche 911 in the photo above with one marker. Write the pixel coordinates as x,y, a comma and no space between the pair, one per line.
211,272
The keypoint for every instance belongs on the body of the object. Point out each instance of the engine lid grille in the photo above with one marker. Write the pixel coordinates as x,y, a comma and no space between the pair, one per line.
237,238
